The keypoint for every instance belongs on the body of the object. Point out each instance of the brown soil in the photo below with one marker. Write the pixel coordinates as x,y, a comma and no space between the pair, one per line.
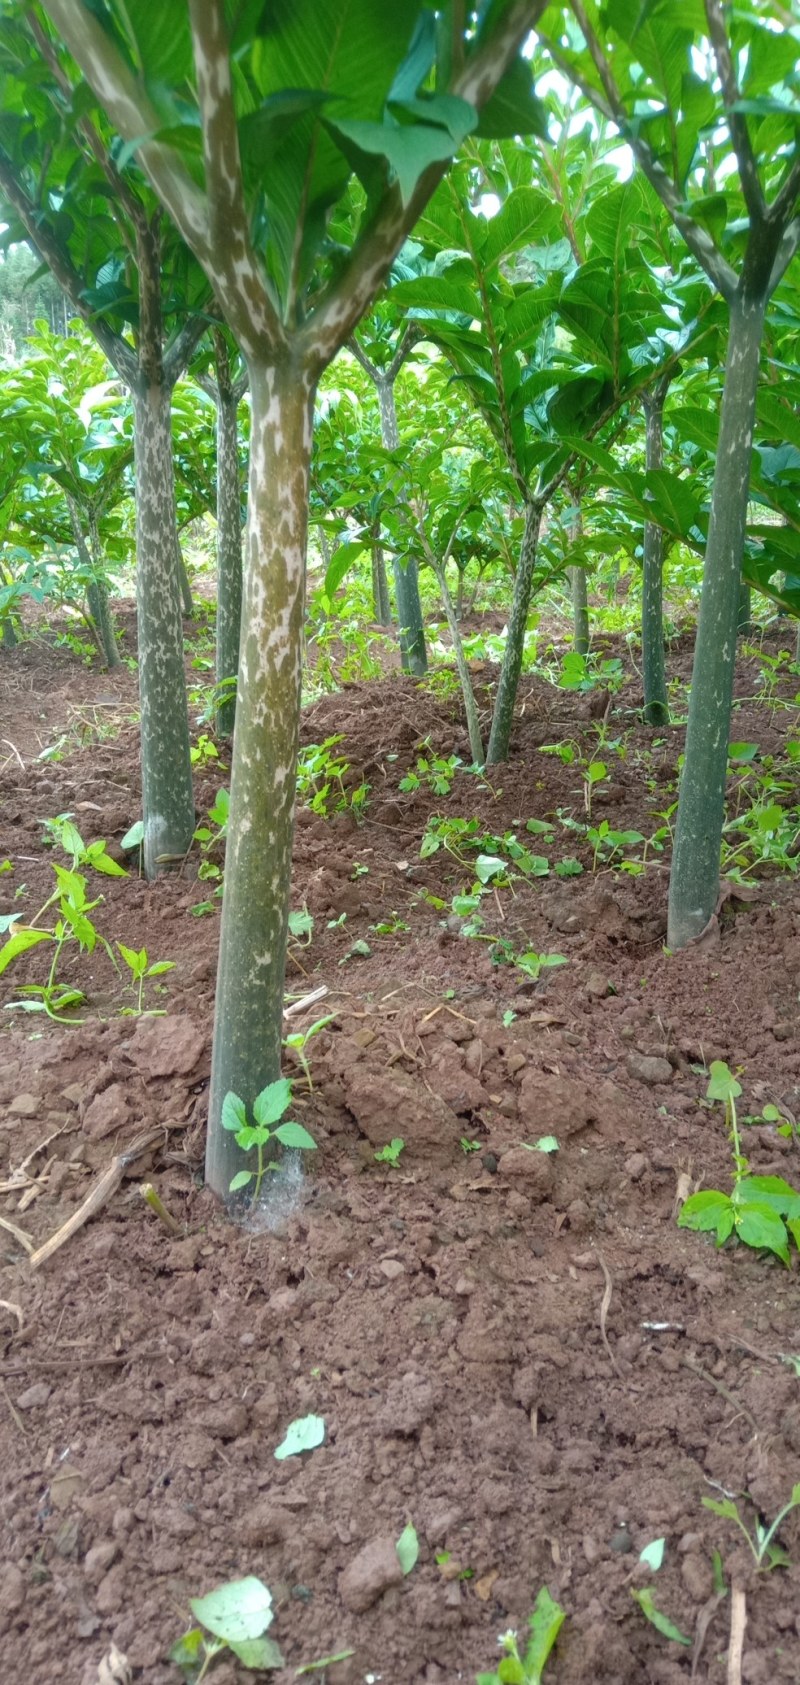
520,1354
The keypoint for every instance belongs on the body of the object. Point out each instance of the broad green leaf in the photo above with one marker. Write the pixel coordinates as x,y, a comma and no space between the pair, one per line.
408,149
437,292
159,967
272,1102
706,1211
662,1623
771,1191
186,1653
525,218
238,1611
234,1113
135,960
240,1180
408,1548
514,108
134,837
19,943
303,1435
722,1084
259,1654
294,1135
759,1226
488,866
100,861
545,1623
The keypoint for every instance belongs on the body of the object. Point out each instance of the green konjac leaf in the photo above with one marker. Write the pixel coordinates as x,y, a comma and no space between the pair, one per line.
514,108
436,292
526,217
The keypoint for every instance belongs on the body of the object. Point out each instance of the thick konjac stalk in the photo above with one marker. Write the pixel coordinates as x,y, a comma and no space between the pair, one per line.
229,556
508,684
656,705
255,910
167,796
694,880
413,653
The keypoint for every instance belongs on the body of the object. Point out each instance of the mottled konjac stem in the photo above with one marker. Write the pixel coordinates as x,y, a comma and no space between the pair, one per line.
96,589
470,705
184,583
380,585
656,706
229,552
413,653
168,799
694,881
578,587
580,610
255,910
515,641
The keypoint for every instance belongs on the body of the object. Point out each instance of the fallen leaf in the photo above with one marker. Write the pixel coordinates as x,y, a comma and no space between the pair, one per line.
483,1588
114,1668
65,1485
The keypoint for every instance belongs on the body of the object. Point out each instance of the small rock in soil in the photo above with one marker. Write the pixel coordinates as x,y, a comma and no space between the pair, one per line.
371,1572
533,1168
99,1559
410,1401
166,1047
12,1589
652,1072
34,1397
697,1576
635,1166
597,986
25,1105
621,1541
107,1113
389,1103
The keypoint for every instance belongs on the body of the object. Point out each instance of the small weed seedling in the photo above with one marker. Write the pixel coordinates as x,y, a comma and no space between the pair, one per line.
268,1109
203,751
136,962
468,1146
73,925
544,1625
62,832
766,1553
594,773
437,774
390,1154
234,1617
762,1211
300,1039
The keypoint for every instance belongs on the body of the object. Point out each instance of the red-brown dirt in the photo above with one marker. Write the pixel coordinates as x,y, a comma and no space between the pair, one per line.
521,1354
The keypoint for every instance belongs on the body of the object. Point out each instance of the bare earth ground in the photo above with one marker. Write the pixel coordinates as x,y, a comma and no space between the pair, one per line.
519,1353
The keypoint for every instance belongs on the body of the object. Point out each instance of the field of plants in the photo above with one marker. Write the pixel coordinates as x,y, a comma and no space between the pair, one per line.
399,843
